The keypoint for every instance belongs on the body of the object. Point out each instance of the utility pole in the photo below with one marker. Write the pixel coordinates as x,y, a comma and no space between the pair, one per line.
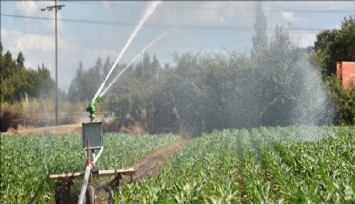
56,8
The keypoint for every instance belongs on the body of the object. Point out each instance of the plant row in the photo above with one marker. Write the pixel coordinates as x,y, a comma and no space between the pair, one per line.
27,161
263,165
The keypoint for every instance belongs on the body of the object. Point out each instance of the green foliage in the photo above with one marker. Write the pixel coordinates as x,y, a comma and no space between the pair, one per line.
86,82
207,91
20,60
203,92
18,82
263,165
344,100
336,45
44,84
260,38
260,165
27,161
273,86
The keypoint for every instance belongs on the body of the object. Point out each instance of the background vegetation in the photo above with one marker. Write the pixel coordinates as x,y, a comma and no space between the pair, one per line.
206,91
334,46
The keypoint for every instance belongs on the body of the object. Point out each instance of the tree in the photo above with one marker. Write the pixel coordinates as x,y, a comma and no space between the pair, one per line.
44,84
106,67
20,60
335,45
332,46
259,38
132,97
77,86
1,48
344,102
8,65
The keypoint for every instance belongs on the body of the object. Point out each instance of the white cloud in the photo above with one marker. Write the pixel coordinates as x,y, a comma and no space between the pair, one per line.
37,49
18,41
27,7
205,13
40,48
33,8
88,12
289,16
106,5
223,12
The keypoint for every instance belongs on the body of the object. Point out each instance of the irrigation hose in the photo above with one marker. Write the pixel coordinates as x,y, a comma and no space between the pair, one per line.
85,184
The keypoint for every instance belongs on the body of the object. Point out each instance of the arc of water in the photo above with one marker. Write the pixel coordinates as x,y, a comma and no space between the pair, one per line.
149,12
133,60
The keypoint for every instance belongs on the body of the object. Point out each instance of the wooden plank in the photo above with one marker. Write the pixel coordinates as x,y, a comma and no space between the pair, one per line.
69,176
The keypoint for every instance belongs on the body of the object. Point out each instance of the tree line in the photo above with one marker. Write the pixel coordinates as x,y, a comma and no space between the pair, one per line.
277,84
333,46
17,81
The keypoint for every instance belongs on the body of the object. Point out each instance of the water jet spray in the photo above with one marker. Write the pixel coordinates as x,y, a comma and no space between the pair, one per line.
92,137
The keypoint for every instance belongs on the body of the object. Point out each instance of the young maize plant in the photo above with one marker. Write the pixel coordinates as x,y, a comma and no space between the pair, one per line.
263,165
27,161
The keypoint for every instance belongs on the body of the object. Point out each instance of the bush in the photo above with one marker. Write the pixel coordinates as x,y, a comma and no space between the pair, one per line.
9,118
344,101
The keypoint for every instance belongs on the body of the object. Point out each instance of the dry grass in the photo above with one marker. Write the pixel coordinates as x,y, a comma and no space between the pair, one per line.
39,113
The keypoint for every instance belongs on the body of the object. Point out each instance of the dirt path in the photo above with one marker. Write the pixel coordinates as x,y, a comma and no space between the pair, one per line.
153,162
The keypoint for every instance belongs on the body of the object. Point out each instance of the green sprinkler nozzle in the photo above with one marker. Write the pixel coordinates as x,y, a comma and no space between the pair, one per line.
91,109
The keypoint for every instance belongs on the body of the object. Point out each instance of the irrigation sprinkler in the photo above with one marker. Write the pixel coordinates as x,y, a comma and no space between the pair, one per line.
92,138
92,145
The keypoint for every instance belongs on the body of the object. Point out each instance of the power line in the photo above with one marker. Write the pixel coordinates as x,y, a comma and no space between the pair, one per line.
316,11
239,10
103,4
68,20
125,4
294,30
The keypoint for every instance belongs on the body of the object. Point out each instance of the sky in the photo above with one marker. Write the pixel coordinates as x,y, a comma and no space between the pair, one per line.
88,30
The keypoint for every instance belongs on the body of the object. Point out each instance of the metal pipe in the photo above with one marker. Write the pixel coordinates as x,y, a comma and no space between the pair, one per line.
98,155
93,156
88,169
85,184
87,152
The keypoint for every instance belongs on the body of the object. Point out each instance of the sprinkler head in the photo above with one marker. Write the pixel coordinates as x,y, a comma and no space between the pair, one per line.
91,109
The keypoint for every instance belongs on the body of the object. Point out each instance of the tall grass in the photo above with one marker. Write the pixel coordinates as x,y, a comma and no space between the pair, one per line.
39,112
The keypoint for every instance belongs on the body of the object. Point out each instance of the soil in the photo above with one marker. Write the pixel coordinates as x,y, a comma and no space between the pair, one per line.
152,163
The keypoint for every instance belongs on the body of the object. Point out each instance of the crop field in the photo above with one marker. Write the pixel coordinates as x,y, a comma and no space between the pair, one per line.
263,165
27,161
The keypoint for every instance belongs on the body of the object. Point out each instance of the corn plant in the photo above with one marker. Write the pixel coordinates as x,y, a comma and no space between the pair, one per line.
27,161
262,165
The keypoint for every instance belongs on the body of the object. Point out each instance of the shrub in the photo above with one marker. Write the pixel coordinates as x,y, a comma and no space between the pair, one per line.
9,118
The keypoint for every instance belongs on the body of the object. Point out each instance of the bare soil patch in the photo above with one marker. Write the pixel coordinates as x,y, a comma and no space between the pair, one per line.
152,163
